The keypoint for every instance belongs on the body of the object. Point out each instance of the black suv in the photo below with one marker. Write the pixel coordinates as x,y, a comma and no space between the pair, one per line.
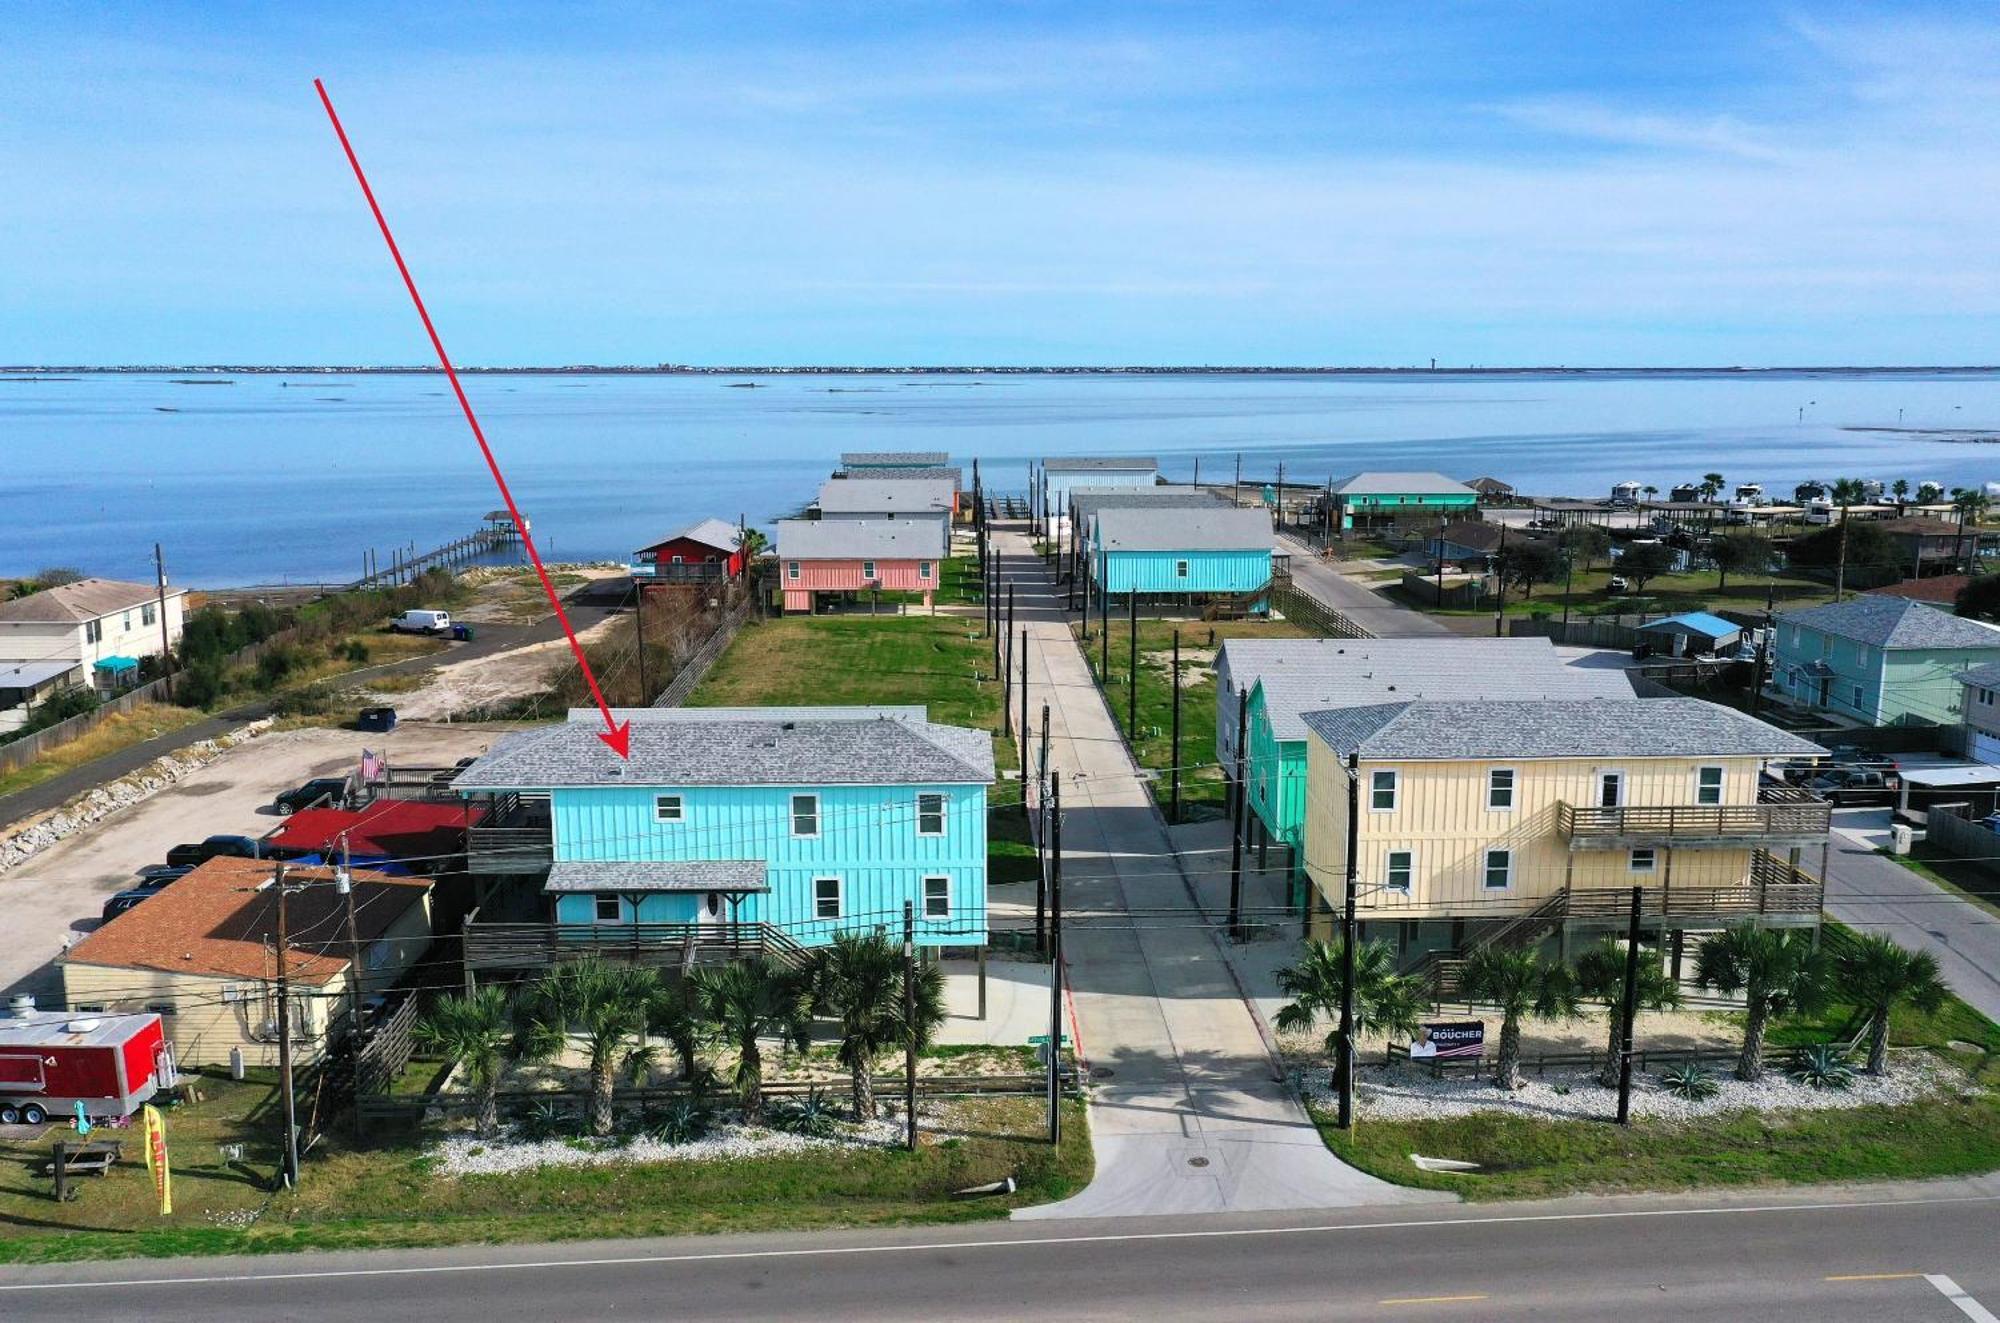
332,788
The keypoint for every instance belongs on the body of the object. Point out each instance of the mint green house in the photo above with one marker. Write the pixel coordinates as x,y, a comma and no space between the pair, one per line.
1880,660
1283,679
1368,498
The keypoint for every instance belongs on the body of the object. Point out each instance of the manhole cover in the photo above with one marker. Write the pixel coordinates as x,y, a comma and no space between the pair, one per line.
1197,1162
1102,1073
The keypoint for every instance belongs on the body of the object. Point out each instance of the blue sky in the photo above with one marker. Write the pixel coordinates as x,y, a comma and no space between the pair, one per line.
1006,183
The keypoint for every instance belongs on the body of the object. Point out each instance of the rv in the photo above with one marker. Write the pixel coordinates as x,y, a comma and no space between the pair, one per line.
1625,495
1750,493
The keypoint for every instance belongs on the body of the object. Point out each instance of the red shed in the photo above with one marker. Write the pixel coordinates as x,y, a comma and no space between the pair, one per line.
699,553
52,1060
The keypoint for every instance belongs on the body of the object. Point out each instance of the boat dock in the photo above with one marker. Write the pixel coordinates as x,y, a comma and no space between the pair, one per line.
496,533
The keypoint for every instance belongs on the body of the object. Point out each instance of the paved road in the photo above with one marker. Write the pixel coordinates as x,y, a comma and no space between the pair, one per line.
1189,1114
1915,1253
1370,610
1877,895
490,639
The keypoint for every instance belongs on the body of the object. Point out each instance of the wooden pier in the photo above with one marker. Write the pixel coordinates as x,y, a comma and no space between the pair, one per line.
497,533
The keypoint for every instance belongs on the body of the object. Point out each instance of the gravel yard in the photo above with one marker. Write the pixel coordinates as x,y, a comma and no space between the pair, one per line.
468,1155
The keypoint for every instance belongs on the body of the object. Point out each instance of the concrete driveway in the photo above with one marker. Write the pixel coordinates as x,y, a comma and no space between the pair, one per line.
1365,607
55,897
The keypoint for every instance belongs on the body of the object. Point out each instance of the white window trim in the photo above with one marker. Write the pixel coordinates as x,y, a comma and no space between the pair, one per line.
868,569
661,811
923,569
1652,865
1513,789
791,569
796,815
1180,569
839,899
1395,790
943,814
1721,785
1387,867
1486,869
929,913
597,907
1597,780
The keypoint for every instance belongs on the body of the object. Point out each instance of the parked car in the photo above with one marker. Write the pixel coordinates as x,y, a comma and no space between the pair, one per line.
155,876
419,621
1851,755
123,901
1618,584
238,847
382,720
311,793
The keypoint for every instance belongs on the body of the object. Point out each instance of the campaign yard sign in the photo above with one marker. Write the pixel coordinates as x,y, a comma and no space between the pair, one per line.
1439,1042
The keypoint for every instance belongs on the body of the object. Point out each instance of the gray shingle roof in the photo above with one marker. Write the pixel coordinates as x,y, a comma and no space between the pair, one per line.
954,476
1982,677
1089,463
73,603
1087,501
650,875
718,533
1403,484
744,752
860,539
912,712
930,459
1894,622
1607,728
886,495
1305,675
1207,528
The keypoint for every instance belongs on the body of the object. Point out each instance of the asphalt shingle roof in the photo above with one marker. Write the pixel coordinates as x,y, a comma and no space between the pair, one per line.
1982,677
742,752
1111,463
1609,728
1087,501
1894,622
631,875
1402,484
1304,675
927,459
717,533
74,603
1185,528
860,539
885,495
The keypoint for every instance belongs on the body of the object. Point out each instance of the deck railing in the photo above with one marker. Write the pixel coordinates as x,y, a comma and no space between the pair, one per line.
538,945
1781,813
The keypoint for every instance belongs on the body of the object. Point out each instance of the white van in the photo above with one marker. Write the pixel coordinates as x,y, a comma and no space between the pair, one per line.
421,622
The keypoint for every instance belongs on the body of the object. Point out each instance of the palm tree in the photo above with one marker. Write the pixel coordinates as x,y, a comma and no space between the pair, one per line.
1778,973
1385,1002
1972,504
1650,491
474,1029
1520,983
1848,491
1711,485
1877,975
858,981
748,1001
751,542
604,1004
1601,973
675,1014
1900,489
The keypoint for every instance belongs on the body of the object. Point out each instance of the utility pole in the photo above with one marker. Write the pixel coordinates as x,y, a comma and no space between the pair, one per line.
1174,771
639,628
343,882
1236,488
287,1097
1278,497
1055,963
1628,1011
1440,562
1500,582
1132,669
1569,577
1022,742
1840,570
1104,636
166,641
910,1024
1758,673
1345,1067
1042,847
1241,817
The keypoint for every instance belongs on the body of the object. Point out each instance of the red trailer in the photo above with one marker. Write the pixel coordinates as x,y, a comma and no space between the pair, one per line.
52,1060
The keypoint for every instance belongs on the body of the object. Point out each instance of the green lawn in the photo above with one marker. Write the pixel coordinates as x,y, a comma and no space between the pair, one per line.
1968,880
1590,595
381,1195
1201,779
1524,1158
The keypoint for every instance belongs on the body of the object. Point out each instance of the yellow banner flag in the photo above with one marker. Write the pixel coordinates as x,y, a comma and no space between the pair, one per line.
156,1157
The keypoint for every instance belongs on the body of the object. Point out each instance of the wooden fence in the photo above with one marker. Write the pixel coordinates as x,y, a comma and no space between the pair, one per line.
704,657
1577,633
1314,615
383,1106
1643,1059
1947,827
20,752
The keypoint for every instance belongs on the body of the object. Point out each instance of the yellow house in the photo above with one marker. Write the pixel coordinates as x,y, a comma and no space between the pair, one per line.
201,954
1508,821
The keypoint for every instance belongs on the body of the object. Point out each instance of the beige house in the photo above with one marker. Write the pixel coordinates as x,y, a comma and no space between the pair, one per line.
95,629
1514,821
202,955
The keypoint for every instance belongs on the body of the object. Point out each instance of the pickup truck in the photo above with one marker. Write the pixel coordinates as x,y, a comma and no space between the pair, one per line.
240,847
1854,785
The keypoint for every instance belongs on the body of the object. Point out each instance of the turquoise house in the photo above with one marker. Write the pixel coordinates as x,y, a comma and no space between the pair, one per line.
1373,497
1287,678
808,821
1880,660
1210,551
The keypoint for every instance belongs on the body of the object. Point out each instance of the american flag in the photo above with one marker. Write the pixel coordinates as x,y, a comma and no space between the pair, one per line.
371,765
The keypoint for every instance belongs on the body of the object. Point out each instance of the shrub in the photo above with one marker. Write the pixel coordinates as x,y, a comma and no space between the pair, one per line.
200,684
812,1115
356,650
314,700
1823,1067
682,1121
279,662
1690,1083
548,1120
61,707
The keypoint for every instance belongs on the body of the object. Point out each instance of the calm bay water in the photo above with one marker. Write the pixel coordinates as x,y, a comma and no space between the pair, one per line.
270,478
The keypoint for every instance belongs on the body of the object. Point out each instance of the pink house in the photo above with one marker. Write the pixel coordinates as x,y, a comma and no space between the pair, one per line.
817,556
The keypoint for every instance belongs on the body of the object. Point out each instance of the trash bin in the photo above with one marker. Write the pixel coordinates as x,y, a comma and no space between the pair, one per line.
1899,838
463,633
379,719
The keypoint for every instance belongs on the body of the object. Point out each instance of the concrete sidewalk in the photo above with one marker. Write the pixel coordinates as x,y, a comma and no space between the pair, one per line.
1189,1112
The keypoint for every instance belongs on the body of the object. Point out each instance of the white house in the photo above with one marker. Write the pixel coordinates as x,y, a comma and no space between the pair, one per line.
92,631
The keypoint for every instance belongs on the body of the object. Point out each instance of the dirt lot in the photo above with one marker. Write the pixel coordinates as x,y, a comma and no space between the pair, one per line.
56,896
483,681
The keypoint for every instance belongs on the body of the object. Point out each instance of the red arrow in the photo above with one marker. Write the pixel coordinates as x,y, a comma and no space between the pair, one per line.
617,734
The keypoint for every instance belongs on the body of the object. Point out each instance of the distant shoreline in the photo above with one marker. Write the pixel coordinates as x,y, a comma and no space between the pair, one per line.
52,371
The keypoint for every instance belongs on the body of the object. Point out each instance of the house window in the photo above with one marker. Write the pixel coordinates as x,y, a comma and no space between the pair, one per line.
679,561
610,909
1402,865
379,954
868,569
162,1009
923,569
930,815
1500,788
1857,698
791,569
93,631
1499,869
1610,789
1382,791
667,808
826,898
147,615
1180,569
1643,861
125,623
1708,785
805,815
937,898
